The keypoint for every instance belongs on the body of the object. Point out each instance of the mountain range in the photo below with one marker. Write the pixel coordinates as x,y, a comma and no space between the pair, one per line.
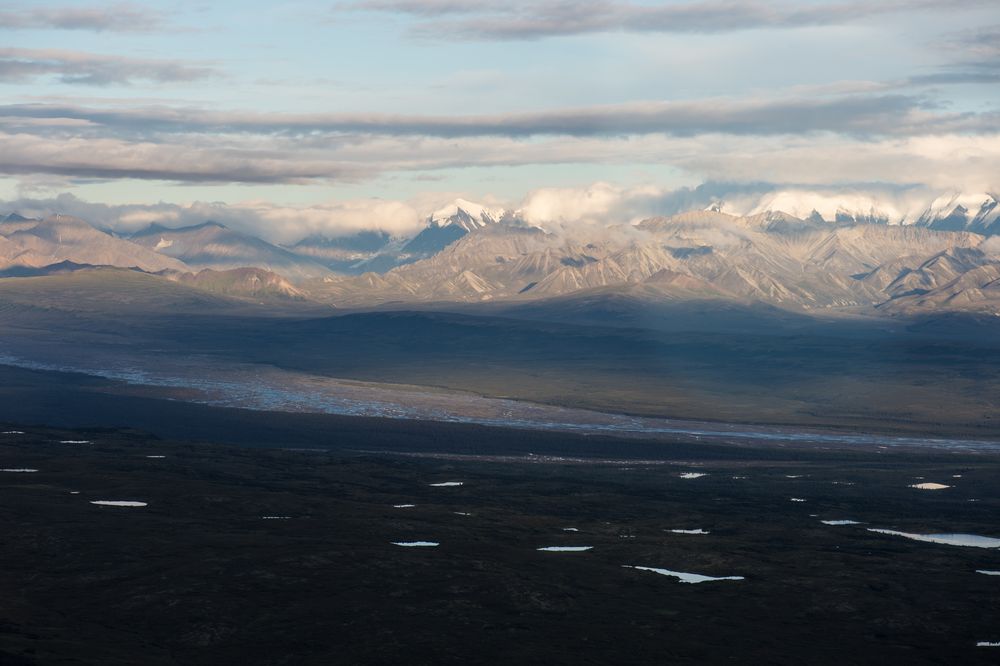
854,255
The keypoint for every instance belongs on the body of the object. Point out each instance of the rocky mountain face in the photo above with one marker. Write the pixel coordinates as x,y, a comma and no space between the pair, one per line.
772,258
378,252
941,259
254,283
37,243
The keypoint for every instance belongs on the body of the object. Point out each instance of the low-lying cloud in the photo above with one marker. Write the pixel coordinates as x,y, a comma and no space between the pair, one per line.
568,211
275,222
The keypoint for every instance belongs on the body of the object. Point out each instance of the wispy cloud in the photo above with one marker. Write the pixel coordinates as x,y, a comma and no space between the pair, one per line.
519,20
945,160
861,115
974,58
119,17
812,137
277,223
75,67
195,160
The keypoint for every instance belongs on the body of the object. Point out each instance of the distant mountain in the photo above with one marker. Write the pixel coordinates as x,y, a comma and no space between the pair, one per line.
444,227
771,258
61,268
343,254
466,215
863,261
977,212
60,238
954,211
213,245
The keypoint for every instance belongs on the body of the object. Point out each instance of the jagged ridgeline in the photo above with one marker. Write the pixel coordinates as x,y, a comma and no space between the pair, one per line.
788,250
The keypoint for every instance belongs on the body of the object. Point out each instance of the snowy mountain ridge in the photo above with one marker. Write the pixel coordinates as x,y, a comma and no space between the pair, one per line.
953,211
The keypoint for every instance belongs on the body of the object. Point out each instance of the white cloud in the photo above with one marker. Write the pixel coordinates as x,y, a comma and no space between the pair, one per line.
596,203
281,224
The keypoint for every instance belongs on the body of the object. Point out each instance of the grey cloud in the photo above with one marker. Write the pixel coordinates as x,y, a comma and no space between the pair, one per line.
76,67
120,17
196,162
861,115
534,20
975,58
428,7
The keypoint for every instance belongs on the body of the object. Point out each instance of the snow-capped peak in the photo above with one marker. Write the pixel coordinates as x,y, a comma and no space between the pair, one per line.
832,207
465,214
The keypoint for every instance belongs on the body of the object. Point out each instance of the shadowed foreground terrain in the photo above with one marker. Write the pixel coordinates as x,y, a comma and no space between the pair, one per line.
286,556
938,375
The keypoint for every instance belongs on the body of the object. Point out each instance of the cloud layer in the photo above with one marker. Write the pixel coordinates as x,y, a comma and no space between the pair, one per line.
878,114
77,67
518,20
120,17
808,139
567,211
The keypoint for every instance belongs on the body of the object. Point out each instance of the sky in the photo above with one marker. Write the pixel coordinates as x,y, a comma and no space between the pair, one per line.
326,117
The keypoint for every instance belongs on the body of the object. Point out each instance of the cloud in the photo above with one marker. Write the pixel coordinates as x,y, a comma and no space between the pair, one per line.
519,20
582,213
75,67
277,223
876,114
120,17
805,137
598,203
195,162
975,58
952,159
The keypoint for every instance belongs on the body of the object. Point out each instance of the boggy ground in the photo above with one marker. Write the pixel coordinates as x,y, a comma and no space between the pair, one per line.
200,576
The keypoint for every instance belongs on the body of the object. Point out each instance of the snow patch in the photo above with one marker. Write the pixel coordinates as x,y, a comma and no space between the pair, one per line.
118,503
970,540
683,576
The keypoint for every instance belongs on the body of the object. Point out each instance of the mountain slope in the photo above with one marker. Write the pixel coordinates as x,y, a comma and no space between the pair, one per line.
215,246
343,254
775,258
60,238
